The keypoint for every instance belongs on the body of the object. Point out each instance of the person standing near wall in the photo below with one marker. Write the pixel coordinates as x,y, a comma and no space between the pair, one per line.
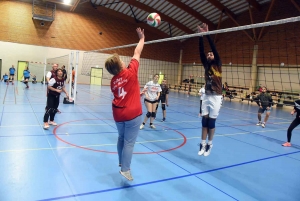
12,71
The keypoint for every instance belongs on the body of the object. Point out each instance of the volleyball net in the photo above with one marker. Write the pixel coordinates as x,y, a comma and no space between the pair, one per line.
264,54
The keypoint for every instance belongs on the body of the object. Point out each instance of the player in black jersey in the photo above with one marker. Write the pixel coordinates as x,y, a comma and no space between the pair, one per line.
163,98
55,87
294,124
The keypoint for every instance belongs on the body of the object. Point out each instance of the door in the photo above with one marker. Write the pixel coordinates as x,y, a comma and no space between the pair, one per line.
96,76
21,67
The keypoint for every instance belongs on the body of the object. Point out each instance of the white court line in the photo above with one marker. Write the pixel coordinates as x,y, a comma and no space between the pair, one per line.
282,123
271,117
37,125
106,124
143,142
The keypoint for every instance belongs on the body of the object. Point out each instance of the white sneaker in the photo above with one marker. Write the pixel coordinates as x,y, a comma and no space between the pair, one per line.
208,149
202,149
142,126
127,175
46,126
263,125
258,124
152,126
52,123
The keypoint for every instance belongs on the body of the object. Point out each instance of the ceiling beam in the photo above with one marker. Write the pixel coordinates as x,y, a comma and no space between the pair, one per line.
192,12
252,22
221,7
255,4
230,14
163,16
266,19
121,16
296,5
85,1
239,25
75,5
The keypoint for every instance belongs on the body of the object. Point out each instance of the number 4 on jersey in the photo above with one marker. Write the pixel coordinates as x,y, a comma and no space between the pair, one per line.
122,92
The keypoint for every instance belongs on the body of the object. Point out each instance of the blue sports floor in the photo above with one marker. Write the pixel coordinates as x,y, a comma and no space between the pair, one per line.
76,161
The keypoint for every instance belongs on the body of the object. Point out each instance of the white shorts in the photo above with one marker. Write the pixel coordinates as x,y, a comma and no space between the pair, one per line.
211,105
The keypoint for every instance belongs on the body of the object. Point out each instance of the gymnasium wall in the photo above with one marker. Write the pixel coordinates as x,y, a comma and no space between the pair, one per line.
24,39
274,38
278,44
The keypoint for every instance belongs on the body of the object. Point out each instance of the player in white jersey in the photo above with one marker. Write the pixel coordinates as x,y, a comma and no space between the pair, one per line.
151,100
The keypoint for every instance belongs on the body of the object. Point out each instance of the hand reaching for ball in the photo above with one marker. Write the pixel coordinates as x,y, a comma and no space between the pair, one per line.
140,32
203,28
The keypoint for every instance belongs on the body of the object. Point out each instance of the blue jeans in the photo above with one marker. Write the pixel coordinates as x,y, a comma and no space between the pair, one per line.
128,132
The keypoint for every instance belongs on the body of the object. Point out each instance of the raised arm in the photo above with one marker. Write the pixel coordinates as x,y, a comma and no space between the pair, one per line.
201,46
139,48
213,49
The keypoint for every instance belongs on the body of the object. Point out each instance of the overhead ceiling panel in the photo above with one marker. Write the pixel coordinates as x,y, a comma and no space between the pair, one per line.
204,8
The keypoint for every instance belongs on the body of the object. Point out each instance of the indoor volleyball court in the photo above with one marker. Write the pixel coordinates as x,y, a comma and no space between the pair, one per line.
77,159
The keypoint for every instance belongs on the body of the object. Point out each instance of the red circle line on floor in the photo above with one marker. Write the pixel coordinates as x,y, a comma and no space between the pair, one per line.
111,152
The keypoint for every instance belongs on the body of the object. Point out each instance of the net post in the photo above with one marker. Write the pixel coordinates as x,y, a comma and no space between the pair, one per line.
75,81
70,71
45,66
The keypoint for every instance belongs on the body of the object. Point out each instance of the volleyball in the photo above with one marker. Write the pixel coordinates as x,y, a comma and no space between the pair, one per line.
153,19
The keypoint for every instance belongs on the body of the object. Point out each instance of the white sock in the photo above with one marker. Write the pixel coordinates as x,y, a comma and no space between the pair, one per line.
203,142
210,142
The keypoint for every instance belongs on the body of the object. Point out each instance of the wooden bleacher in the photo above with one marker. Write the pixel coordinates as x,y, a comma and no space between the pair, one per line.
242,93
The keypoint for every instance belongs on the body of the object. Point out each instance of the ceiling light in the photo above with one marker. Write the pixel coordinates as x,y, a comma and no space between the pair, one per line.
67,1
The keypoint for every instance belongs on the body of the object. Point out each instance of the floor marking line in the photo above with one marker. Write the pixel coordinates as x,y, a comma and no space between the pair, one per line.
168,179
138,142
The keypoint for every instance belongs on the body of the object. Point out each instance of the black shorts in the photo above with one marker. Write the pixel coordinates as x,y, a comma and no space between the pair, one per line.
5,80
26,78
263,109
149,101
162,99
12,75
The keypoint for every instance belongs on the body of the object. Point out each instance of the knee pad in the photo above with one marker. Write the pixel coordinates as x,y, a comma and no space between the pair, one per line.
153,114
211,123
148,114
163,106
205,122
